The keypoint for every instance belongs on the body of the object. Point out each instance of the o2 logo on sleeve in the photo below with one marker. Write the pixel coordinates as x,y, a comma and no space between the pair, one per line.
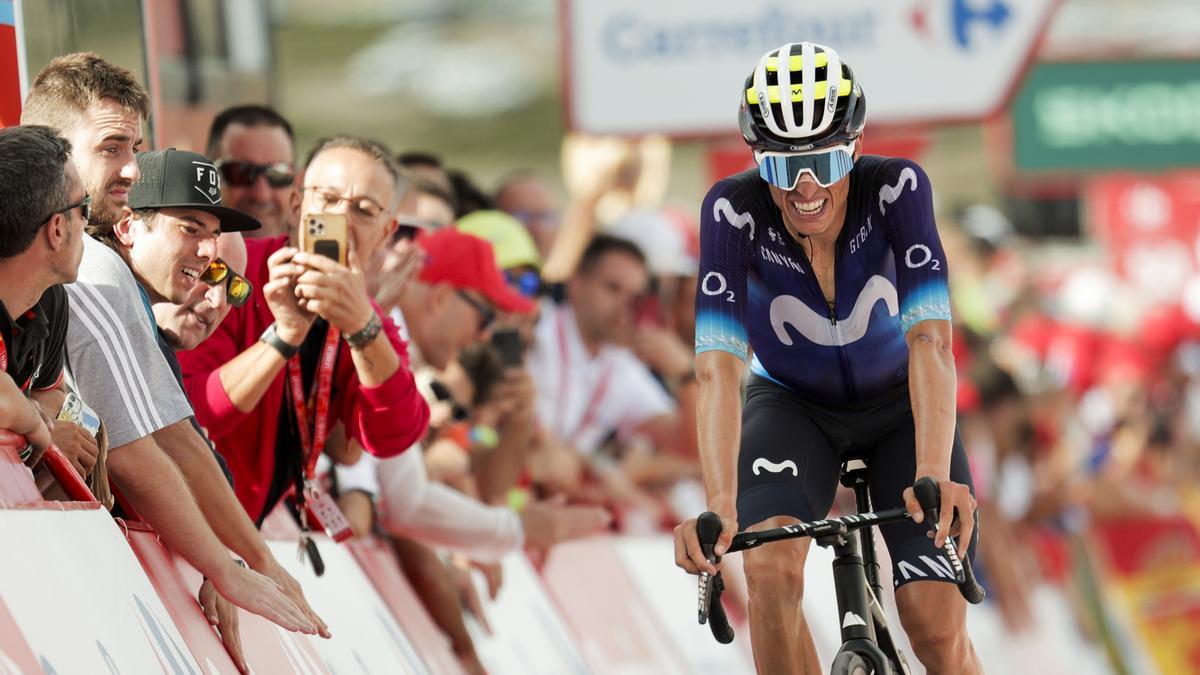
714,284
919,255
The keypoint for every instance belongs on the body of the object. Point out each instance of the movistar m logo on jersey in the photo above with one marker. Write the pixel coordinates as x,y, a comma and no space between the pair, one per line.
723,210
816,328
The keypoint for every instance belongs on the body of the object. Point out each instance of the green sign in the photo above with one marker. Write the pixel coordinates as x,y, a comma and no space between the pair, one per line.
1096,115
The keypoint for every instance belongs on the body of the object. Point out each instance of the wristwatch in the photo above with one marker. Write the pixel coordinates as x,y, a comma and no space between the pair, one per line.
285,350
364,337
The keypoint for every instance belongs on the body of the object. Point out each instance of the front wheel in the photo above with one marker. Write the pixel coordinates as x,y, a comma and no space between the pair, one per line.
849,663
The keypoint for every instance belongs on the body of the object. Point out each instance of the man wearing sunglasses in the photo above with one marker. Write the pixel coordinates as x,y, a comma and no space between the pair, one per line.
254,148
224,287
826,265
43,209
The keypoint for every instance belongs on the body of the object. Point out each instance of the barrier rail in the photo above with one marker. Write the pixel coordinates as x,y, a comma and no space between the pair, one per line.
121,602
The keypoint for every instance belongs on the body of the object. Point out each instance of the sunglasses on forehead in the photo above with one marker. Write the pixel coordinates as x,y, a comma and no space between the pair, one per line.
237,287
242,174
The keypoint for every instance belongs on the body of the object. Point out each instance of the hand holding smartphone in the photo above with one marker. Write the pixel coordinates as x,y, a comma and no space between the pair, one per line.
325,234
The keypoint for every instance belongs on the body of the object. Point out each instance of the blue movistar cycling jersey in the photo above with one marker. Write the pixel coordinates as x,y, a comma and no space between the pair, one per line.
757,290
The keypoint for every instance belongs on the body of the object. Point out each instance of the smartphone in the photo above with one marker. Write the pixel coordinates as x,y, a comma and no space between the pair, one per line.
324,234
507,342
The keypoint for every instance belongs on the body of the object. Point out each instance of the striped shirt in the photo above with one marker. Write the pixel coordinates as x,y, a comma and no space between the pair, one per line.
114,361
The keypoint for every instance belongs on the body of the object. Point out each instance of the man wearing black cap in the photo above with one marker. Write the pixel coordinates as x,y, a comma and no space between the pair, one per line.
168,237
166,241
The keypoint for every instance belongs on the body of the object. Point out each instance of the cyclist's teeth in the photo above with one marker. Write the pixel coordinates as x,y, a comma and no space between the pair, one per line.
809,207
190,272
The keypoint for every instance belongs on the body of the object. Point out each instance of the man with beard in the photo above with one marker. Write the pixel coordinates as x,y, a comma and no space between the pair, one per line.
114,359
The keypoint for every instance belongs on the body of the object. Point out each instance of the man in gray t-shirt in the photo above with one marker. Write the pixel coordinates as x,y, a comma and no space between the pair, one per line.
112,352
114,360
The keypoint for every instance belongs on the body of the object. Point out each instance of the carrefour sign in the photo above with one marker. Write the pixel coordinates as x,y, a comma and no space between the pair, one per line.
1108,115
677,66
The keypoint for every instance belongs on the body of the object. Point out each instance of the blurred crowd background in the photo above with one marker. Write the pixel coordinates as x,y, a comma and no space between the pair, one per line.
1071,220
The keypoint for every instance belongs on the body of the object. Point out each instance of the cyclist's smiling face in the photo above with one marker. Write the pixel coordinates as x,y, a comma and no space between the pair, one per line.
811,210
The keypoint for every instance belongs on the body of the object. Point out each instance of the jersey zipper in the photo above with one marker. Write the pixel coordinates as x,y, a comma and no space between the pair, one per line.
835,331
843,360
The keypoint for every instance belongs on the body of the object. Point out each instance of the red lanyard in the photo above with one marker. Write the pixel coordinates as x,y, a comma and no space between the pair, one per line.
593,404
313,444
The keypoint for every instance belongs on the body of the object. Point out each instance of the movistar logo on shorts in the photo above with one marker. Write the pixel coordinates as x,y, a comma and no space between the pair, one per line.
763,464
816,328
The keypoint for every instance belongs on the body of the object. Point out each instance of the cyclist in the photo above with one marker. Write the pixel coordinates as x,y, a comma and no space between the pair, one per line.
826,264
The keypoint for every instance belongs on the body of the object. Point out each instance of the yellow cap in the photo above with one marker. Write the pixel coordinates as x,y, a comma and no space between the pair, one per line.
508,237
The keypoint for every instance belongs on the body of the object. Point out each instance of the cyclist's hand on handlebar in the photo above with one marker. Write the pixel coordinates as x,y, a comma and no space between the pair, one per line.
956,497
687,544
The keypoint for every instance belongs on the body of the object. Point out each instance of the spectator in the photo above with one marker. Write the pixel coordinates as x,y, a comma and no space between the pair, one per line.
254,148
589,383
43,208
418,163
111,345
468,197
530,200
309,305
447,307
187,324
426,206
169,240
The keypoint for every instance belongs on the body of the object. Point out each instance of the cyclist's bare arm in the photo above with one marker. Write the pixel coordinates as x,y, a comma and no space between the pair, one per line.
931,384
719,413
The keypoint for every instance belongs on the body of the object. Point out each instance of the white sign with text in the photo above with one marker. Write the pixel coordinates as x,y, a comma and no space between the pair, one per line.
677,66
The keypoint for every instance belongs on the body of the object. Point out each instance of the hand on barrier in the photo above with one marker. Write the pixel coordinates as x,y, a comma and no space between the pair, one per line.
77,445
224,616
295,593
459,570
22,416
550,522
493,573
258,594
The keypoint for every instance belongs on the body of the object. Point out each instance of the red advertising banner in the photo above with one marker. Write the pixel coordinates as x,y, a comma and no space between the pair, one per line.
10,77
1150,226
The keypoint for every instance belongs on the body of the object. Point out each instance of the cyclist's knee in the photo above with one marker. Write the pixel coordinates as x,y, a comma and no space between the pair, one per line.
934,618
777,569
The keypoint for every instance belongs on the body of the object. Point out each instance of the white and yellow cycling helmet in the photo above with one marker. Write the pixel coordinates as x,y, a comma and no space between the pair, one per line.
802,99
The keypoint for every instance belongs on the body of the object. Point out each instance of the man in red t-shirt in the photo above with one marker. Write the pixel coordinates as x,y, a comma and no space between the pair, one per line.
311,349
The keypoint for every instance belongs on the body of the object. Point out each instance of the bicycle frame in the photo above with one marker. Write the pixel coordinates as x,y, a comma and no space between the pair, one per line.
865,633
864,627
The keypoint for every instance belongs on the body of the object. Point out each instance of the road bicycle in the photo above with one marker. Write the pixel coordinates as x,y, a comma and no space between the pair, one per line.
867,644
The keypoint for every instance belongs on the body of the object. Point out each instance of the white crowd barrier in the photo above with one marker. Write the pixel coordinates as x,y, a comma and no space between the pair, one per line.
81,593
